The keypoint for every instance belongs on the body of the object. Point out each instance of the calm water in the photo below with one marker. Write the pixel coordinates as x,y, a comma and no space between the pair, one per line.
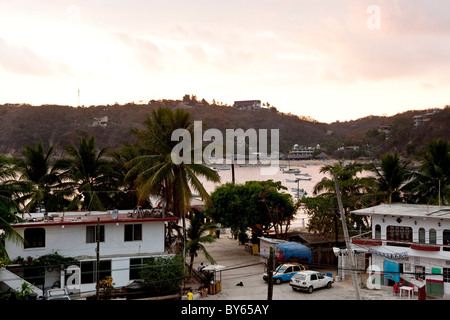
253,173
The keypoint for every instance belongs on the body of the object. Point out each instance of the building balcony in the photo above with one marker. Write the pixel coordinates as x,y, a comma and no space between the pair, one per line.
430,247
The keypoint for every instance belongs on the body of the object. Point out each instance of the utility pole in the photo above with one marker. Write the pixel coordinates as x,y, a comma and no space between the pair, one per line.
97,267
270,275
347,239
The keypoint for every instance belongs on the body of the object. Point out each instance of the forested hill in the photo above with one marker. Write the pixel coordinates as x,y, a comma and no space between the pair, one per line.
22,125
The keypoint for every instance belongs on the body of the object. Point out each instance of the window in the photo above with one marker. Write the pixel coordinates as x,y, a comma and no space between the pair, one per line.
91,234
432,236
399,233
89,271
377,231
136,267
446,272
288,270
133,232
313,277
421,235
402,234
34,238
446,239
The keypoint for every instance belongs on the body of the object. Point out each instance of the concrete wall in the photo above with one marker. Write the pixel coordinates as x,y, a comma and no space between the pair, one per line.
70,241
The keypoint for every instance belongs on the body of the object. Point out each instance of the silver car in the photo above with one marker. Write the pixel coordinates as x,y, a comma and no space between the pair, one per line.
310,280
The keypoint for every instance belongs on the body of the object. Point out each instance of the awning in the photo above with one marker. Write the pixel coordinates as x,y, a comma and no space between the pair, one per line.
294,250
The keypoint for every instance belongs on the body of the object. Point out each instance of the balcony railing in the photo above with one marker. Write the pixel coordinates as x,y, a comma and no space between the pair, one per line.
365,241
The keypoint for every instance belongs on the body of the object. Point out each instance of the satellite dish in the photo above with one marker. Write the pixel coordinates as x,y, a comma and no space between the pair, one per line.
115,214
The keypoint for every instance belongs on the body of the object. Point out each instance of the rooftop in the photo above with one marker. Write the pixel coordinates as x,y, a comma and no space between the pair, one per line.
91,217
409,210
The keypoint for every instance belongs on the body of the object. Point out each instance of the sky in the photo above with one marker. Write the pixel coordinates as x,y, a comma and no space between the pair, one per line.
329,60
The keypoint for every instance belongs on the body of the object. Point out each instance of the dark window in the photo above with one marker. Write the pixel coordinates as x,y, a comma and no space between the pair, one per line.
446,272
136,267
34,238
91,234
133,232
399,234
377,231
432,234
421,235
89,271
446,239
313,277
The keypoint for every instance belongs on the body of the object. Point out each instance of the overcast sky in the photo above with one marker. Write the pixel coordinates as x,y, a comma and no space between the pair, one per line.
327,59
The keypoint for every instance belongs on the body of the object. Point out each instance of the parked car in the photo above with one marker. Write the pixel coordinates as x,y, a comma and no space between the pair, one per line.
310,280
284,272
57,294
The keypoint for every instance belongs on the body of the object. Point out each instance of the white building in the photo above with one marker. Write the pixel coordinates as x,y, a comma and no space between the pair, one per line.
409,242
126,240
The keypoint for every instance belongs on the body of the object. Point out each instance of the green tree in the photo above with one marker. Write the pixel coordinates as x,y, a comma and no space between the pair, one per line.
90,173
432,180
391,177
10,190
356,190
154,171
197,237
253,204
45,186
163,275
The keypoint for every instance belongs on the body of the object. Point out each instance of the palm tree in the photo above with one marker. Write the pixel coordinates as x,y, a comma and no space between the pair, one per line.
391,177
155,172
91,174
355,190
10,190
196,236
433,177
37,170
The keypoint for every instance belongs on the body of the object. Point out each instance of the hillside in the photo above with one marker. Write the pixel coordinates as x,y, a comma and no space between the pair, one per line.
61,125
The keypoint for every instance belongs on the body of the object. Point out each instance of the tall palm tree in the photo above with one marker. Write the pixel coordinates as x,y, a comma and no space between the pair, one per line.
91,174
10,189
355,190
196,235
155,172
391,177
36,169
433,177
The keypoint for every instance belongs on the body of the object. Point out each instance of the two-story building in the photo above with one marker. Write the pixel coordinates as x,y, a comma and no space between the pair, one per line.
409,242
125,240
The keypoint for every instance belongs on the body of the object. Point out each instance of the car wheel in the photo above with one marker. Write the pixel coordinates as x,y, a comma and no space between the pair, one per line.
310,289
329,285
277,281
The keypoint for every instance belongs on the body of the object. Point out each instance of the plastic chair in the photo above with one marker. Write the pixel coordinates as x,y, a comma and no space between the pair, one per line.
396,288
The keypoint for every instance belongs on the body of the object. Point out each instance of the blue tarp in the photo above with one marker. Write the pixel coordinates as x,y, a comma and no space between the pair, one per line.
294,250
392,270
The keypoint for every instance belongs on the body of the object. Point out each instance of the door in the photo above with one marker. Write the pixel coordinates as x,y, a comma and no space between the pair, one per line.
314,280
446,278
321,281
288,273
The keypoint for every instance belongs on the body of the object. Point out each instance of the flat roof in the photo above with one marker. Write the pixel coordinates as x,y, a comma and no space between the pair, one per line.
87,218
410,210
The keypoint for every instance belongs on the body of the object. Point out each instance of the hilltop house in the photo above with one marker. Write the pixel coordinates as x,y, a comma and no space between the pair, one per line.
408,242
126,239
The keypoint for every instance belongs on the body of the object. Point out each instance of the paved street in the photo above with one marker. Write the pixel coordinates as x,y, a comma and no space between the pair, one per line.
243,267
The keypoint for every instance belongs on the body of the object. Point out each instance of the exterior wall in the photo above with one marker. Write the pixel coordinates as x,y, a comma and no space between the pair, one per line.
435,263
70,241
